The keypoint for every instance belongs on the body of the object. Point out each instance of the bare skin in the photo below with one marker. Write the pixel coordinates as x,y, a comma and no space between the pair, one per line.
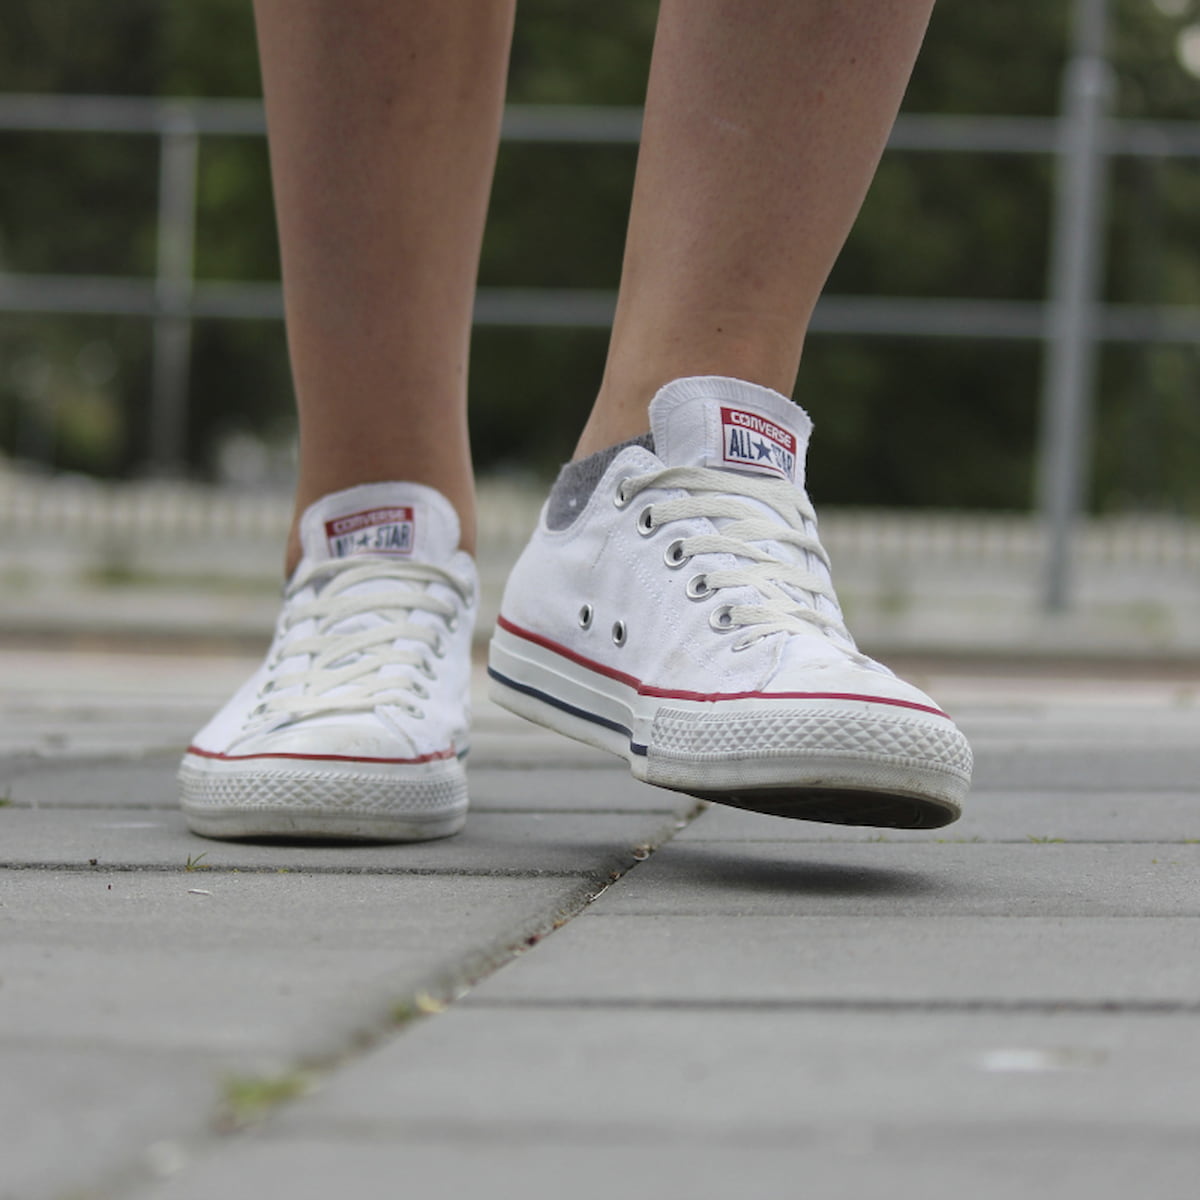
384,119
764,124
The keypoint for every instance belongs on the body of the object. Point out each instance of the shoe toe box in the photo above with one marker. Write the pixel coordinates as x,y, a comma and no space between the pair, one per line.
331,739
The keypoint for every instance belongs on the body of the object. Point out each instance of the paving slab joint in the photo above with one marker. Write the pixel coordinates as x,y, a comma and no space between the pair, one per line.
251,1097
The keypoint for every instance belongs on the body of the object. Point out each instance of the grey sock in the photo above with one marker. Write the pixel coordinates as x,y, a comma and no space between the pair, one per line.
577,481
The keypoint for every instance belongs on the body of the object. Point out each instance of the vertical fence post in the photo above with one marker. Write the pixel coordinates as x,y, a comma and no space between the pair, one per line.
173,325
1076,272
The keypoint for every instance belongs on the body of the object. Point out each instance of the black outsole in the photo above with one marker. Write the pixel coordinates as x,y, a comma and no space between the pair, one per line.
836,806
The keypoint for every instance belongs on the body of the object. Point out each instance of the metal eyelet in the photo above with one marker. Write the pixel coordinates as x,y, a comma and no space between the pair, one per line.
645,522
619,633
721,618
620,500
674,556
697,588
746,643
585,616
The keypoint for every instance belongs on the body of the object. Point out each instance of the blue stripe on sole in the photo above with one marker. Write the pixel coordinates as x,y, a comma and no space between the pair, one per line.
563,706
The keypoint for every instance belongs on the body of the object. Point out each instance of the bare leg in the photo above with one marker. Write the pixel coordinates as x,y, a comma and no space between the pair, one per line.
384,118
764,125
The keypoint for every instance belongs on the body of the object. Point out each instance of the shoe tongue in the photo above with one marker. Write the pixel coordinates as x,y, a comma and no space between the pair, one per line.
731,425
400,520
713,421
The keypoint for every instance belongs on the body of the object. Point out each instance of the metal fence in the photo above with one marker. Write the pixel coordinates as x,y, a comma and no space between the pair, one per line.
1071,322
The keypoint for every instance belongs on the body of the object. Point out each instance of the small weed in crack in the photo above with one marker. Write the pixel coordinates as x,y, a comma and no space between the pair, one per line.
246,1099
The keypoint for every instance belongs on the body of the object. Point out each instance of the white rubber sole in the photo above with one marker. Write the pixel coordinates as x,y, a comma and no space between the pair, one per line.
352,801
846,762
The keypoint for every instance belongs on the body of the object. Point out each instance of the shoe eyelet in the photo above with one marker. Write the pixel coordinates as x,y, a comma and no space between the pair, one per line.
419,689
452,623
674,556
746,643
439,649
698,589
645,522
426,669
619,633
417,714
586,613
620,500
721,619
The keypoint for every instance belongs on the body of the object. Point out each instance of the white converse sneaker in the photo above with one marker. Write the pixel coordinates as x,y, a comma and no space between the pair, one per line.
675,607
356,724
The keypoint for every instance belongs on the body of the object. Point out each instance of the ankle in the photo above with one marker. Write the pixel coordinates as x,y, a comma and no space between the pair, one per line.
622,407
615,418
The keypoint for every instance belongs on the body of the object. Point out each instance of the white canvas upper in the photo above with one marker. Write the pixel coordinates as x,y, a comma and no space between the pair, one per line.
687,614
668,642
368,674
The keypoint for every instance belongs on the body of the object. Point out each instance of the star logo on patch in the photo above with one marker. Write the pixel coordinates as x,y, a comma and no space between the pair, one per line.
753,442
390,530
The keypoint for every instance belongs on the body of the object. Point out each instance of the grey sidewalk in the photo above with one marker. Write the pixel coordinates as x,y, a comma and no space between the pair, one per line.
596,990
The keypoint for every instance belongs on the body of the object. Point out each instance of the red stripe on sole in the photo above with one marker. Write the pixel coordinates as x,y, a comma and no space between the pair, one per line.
435,756
644,689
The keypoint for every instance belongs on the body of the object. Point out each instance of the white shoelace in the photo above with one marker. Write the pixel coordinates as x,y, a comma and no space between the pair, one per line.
721,496
353,671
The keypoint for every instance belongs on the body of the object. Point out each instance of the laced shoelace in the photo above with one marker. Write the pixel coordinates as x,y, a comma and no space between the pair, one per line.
347,670
743,529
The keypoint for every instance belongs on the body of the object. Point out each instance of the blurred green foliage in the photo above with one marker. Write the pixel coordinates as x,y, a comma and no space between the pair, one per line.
900,421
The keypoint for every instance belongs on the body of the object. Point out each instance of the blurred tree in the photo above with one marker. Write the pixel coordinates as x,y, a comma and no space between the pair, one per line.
899,421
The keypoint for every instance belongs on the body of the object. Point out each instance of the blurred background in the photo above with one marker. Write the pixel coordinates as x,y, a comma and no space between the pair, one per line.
1004,373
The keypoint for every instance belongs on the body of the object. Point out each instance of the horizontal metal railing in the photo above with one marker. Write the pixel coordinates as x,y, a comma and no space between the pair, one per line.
151,297
1069,322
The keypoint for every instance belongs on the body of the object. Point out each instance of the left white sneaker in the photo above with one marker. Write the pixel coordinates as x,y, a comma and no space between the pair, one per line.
675,607
356,724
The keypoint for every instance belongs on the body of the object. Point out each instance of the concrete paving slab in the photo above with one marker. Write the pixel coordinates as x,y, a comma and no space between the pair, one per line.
1093,815
513,742
1052,709
99,703
1011,1019
525,843
73,1113
142,782
1031,1162
1124,762
738,1075
275,965
995,963
605,786
149,782
735,879
1014,698
78,703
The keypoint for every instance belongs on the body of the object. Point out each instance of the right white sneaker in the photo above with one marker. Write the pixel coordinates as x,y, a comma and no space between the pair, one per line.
356,724
675,607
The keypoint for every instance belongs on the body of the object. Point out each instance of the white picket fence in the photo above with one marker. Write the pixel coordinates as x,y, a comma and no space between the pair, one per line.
181,561
150,514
